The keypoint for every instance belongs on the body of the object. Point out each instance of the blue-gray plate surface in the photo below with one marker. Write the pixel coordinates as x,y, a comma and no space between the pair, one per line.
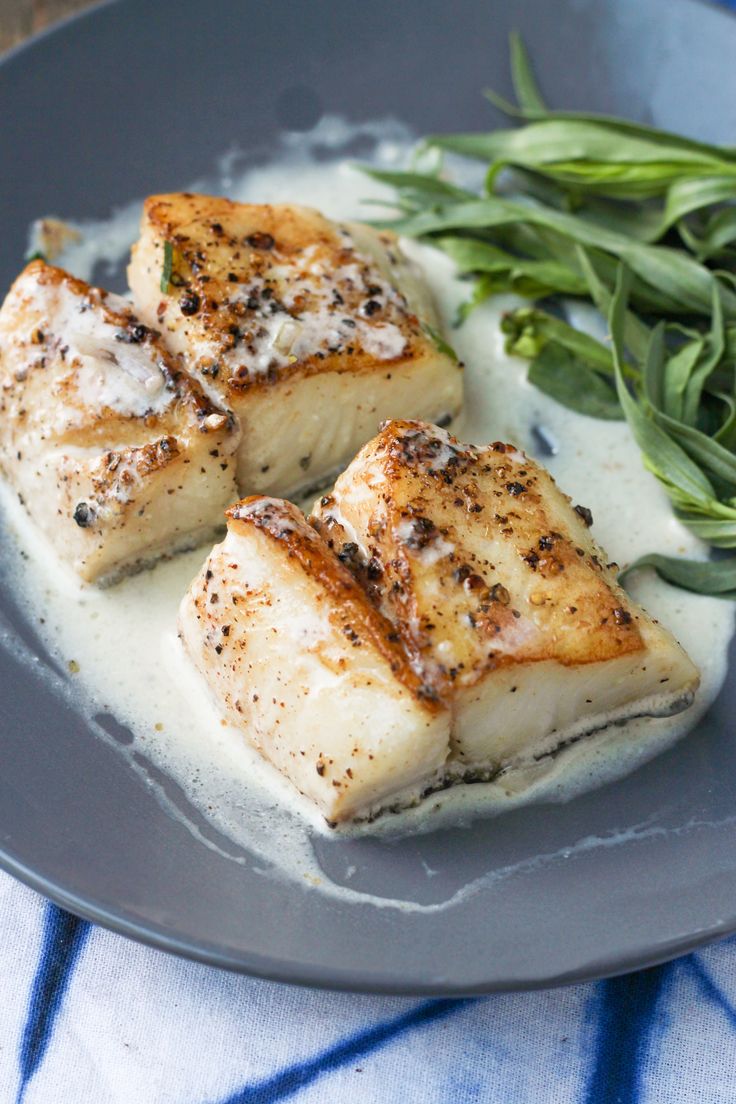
137,98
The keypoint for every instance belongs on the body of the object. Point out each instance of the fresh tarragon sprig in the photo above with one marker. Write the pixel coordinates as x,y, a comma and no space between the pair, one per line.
642,224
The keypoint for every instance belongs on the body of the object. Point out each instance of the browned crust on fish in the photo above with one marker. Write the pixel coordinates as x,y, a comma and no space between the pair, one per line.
561,602
218,245
190,398
350,608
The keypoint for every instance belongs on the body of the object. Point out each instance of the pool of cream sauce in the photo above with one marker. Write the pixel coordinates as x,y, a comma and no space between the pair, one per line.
145,682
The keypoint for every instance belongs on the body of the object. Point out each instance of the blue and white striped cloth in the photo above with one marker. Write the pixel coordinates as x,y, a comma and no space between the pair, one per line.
87,1017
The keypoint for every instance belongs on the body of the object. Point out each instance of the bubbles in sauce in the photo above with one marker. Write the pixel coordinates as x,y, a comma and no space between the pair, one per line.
144,697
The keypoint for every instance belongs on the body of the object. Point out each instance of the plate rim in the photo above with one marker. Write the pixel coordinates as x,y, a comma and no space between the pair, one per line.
285,971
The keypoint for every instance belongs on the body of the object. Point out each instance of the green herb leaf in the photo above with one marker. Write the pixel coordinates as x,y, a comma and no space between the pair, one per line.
591,156
666,460
679,369
714,577
636,333
713,241
528,330
685,284
422,187
168,265
642,223
654,367
569,381
720,532
708,454
726,432
537,278
525,85
715,347
624,127
439,342
690,194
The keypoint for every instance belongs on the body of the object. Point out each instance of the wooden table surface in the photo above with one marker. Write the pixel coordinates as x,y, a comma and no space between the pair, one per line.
21,18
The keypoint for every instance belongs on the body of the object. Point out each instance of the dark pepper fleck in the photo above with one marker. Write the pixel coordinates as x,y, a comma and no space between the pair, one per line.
584,513
498,593
189,302
134,335
348,552
423,530
84,515
427,692
259,240
373,569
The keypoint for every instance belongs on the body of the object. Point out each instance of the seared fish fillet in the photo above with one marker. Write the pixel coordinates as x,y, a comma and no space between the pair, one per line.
298,658
447,616
502,599
116,453
312,332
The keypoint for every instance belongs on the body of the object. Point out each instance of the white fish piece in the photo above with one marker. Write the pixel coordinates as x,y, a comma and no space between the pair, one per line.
115,452
311,331
299,660
506,606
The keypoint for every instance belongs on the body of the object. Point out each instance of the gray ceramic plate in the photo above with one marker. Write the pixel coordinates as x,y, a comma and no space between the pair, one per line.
139,97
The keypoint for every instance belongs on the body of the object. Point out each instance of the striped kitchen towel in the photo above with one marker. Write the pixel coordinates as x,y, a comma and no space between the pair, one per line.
88,1017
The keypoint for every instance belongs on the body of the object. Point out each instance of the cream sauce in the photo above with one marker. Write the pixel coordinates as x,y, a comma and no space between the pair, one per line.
316,327
103,370
146,683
